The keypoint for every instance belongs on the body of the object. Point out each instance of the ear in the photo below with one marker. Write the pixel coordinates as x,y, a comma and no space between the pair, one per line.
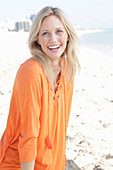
38,41
38,44
68,39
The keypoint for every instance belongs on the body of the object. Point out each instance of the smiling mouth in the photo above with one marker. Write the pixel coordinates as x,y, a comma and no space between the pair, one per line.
52,48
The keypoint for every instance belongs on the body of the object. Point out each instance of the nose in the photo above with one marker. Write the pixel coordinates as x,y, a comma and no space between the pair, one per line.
53,37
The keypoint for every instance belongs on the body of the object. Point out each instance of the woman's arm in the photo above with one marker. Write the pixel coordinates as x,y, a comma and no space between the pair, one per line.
29,105
28,165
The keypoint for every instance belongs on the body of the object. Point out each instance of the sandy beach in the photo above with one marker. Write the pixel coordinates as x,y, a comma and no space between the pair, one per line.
90,130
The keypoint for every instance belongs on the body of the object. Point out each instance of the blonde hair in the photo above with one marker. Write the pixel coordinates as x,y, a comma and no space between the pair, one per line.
70,51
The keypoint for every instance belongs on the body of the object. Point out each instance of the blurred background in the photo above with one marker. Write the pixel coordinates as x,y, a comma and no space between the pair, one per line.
84,14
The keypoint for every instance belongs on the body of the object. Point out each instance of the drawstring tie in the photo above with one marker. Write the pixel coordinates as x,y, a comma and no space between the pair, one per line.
48,142
47,139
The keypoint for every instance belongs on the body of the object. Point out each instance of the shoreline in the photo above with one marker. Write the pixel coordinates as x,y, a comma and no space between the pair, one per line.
106,49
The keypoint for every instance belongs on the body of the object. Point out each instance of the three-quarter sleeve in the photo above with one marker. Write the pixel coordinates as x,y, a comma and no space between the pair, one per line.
29,104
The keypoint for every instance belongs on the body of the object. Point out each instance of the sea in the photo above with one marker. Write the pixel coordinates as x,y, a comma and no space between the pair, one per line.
101,40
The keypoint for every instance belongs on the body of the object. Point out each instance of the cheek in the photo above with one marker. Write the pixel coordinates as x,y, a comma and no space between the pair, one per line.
42,42
65,39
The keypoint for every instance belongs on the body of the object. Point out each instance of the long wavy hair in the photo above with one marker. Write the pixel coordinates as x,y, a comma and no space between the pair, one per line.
70,52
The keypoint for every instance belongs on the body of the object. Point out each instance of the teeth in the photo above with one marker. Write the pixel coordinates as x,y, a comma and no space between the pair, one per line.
54,47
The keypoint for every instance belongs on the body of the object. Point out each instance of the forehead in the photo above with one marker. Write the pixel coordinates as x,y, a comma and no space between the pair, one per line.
51,21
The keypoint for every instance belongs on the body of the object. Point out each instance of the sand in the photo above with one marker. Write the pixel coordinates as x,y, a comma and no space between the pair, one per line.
90,130
90,137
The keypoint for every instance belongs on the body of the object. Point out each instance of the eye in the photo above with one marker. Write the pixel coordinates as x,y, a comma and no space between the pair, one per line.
59,31
45,33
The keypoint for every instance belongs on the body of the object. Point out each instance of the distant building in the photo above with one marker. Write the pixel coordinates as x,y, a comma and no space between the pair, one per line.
7,24
23,25
17,25
32,17
3,25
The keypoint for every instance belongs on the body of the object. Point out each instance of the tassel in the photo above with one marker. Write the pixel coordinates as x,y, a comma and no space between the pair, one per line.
48,142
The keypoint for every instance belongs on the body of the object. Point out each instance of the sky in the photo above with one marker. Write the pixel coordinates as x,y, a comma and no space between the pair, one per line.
84,13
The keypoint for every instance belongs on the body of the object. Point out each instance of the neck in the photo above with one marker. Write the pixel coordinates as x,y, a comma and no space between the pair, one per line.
55,65
56,68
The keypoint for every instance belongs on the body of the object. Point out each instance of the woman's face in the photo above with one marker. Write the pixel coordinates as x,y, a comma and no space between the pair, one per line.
52,37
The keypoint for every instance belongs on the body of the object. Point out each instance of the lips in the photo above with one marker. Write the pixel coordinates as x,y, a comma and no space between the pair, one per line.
54,47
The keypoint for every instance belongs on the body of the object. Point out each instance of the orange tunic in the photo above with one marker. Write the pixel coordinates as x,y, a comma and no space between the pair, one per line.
35,113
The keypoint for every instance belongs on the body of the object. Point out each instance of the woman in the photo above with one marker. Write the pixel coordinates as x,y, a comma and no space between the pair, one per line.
35,135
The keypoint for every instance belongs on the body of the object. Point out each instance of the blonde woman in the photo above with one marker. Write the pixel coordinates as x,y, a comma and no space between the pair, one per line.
35,135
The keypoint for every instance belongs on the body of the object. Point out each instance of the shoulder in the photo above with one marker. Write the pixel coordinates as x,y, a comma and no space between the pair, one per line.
30,69
31,66
29,74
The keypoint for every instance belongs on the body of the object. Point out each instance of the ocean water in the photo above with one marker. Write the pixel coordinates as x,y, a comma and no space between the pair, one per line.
102,40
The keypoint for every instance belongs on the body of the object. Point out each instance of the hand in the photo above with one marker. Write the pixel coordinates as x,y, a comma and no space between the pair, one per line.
27,165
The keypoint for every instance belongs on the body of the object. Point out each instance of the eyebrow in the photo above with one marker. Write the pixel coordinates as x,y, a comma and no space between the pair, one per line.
44,30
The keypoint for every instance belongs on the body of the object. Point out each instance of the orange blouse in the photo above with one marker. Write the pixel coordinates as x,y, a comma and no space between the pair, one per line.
37,121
